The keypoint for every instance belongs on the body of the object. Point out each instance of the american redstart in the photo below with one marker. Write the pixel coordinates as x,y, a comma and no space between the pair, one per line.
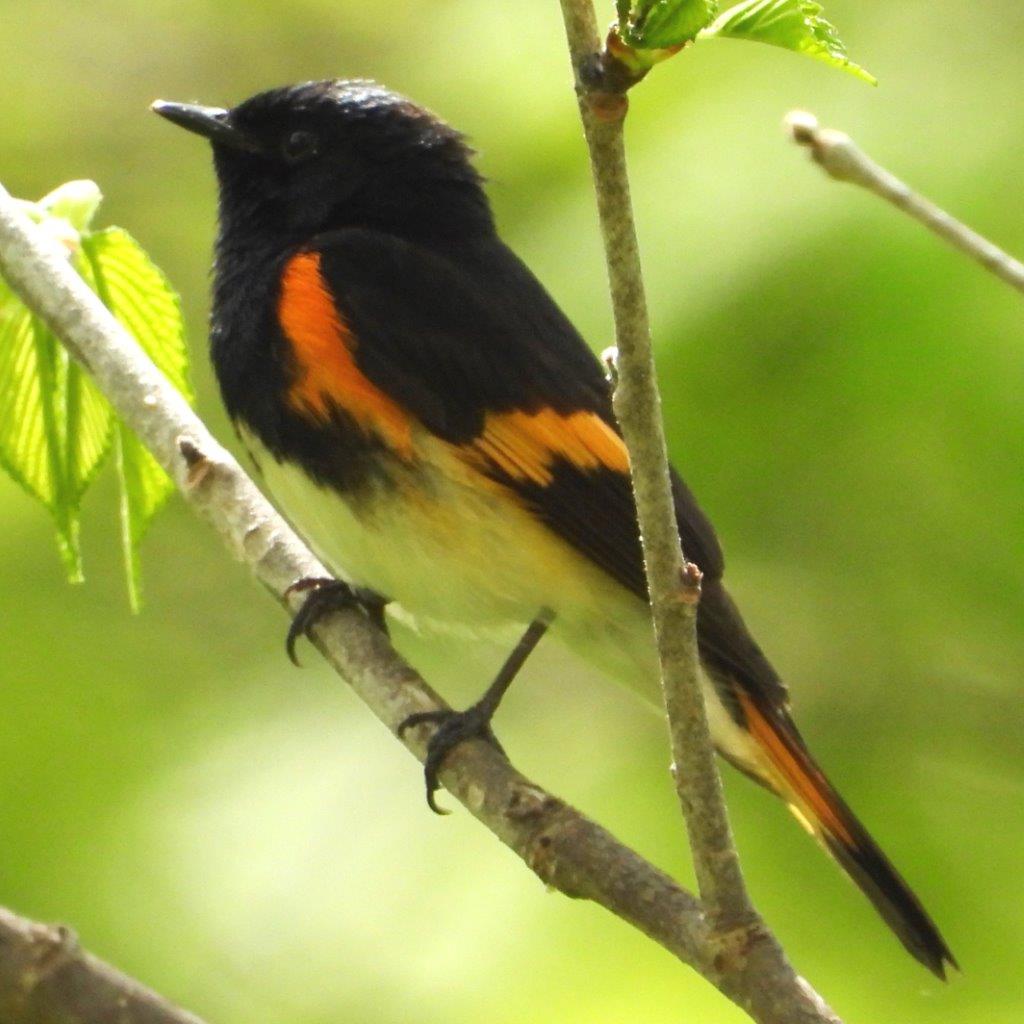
439,432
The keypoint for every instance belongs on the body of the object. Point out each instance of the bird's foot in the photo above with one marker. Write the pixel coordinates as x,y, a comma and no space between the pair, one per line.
324,595
453,727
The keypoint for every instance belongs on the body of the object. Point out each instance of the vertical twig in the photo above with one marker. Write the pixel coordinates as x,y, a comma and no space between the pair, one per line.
673,584
753,969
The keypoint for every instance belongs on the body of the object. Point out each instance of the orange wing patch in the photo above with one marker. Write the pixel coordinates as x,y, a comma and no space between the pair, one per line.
323,348
800,780
524,445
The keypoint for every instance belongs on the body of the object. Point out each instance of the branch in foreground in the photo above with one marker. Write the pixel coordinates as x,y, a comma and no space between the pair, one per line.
46,978
674,586
766,986
568,851
841,158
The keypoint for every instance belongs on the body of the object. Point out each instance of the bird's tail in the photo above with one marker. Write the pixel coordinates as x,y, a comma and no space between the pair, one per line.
794,775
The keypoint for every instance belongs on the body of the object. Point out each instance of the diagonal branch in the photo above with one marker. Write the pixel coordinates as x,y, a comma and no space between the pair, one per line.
841,158
567,850
45,978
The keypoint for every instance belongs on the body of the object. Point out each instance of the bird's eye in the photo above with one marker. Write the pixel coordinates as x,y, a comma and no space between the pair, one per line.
299,145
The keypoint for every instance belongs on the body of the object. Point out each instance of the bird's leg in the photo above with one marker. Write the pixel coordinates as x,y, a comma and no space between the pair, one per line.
475,722
323,595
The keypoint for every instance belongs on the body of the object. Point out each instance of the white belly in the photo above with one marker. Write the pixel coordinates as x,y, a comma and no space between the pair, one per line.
452,556
447,551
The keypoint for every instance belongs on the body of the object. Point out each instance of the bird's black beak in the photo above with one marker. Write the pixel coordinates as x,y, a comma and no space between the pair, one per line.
210,122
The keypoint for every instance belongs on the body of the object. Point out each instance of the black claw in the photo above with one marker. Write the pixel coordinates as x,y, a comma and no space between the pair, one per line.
325,595
453,727
373,604
475,722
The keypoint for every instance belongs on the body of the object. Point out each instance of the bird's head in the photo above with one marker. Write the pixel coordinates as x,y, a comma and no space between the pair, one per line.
300,160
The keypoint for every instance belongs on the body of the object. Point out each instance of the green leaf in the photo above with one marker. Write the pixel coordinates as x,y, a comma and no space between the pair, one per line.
55,427
660,24
66,212
74,201
792,24
138,293
144,489
140,296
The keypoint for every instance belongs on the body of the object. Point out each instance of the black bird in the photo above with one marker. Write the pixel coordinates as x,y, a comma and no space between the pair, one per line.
439,432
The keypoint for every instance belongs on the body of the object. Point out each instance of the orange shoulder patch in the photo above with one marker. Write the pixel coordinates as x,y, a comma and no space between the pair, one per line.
323,346
524,445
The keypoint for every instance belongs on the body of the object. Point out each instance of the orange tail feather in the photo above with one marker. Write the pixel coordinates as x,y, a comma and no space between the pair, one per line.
793,774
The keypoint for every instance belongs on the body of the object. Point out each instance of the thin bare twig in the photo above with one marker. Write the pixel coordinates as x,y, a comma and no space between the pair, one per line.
673,586
763,982
841,158
46,978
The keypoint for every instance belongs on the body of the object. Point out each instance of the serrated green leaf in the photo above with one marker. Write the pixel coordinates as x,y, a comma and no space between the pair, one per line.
89,419
22,426
792,24
55,427
659,24
74,201
135,290
50,374
144,489
66,212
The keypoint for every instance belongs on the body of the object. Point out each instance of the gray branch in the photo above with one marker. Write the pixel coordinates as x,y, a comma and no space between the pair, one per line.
565,849
762,981
674,586
841,158
45,978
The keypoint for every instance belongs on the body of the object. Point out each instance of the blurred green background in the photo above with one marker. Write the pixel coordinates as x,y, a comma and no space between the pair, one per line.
842,393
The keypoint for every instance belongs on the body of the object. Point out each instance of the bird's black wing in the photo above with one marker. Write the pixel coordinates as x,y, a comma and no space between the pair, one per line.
472,346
